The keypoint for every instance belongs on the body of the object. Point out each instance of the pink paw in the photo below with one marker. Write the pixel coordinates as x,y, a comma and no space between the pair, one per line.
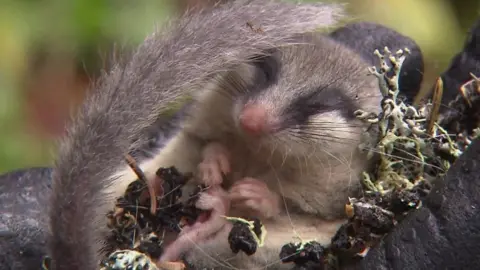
215,164
254,195
206,226
215,199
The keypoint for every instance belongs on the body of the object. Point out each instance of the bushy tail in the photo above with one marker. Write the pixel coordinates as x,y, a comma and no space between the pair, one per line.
130,97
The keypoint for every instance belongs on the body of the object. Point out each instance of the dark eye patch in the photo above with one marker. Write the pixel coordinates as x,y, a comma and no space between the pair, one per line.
320,101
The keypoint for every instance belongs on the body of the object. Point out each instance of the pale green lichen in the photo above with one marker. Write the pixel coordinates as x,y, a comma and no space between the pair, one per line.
128,259
407,152
402,142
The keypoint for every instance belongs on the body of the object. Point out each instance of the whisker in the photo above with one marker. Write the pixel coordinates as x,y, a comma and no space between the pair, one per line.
352,137
332,125
402,158
334,157
347,124
280,186
325,138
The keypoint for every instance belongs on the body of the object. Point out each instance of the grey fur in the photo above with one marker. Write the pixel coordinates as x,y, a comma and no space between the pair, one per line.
313,166
130,98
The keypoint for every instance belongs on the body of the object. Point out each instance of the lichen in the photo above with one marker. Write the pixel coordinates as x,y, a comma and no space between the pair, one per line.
411,147
403,146
128,259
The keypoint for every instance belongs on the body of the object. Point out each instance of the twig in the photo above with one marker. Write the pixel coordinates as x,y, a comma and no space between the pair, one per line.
437,102
141,176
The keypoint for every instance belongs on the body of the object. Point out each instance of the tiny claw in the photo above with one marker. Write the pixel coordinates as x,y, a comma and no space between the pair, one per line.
252,194
215,164
210,174
215,198
224,164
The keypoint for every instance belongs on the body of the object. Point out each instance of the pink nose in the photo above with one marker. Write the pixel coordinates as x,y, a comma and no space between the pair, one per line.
253,119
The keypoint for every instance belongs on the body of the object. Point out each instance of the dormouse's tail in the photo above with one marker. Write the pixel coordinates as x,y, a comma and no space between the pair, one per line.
130,97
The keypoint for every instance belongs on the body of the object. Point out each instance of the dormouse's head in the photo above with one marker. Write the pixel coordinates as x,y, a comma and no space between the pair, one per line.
303,95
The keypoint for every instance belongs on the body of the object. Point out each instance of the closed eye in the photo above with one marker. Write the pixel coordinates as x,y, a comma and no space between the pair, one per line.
317,102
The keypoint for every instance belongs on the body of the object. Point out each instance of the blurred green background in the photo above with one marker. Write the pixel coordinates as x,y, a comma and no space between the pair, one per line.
51,49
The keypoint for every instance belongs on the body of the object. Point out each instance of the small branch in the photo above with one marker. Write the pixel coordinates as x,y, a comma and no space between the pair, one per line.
437,101
141,176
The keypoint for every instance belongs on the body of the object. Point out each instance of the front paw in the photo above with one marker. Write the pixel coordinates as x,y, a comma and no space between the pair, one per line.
215,199
253,195
215,164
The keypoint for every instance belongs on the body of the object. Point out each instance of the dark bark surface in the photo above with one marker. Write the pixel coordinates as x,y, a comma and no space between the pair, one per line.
445,232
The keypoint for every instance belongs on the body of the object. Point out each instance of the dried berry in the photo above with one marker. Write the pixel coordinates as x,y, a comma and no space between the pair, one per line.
246,235
301,254
240,238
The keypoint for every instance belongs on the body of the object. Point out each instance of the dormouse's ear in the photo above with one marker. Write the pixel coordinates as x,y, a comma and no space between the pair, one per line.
258,72
267,67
